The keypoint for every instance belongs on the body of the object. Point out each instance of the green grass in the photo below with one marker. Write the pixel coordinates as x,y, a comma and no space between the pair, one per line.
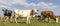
34,22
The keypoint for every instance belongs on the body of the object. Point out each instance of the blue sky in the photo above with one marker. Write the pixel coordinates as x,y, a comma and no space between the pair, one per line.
41,5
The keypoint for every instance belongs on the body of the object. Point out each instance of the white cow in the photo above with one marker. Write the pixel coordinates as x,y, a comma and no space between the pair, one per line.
25,13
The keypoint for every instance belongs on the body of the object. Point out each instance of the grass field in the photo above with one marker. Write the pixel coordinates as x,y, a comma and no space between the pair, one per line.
34,22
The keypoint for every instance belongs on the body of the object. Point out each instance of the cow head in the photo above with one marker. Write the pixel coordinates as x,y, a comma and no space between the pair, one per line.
34,12
4,10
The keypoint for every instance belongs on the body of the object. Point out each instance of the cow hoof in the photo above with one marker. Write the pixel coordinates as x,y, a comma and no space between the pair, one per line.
16,22
56,22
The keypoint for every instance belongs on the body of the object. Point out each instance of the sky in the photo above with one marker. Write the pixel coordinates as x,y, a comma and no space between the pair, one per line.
41,5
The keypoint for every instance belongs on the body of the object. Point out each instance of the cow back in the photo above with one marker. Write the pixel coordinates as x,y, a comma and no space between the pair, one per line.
49,14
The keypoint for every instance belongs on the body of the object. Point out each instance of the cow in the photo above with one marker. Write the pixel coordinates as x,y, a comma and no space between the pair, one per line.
7,14
49,15
25,13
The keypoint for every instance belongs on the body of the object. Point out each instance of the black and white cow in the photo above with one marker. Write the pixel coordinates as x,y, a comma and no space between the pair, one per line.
7,14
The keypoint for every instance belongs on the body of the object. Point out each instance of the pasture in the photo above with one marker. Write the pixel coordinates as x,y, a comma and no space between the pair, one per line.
34,22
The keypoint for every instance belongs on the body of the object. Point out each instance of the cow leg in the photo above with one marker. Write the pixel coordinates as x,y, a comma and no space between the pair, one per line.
11,19
28,20
16,19
48,19
42,18
6,19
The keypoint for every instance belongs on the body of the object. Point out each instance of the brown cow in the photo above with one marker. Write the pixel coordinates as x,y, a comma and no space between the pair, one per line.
49,15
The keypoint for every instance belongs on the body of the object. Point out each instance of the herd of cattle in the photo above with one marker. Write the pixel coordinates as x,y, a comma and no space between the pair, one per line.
28,14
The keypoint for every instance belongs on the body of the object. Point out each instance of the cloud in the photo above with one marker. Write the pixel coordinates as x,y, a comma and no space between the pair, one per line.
11,2
21,2
43,5
6,2
24,3
47,5
3,6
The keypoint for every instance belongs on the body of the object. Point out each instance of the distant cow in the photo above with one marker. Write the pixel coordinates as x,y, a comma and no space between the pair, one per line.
7,13
49,15
25,13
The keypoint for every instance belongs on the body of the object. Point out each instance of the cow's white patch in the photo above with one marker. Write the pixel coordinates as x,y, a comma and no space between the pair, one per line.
56,20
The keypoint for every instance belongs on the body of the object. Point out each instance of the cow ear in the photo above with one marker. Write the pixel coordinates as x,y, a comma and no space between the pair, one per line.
37,10
2,9
32,10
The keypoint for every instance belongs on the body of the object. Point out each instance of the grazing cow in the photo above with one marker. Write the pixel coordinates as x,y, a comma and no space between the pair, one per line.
25,13
7,13
49,15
